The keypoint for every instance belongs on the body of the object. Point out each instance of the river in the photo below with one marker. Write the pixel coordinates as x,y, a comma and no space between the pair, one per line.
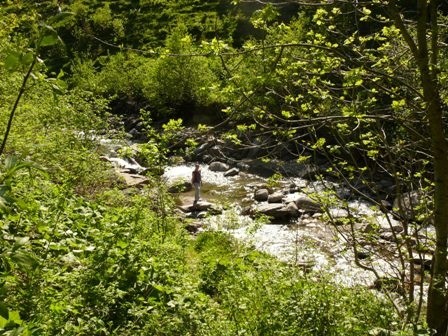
307,241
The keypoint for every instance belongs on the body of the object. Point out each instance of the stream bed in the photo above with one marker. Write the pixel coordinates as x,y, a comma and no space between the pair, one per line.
306,242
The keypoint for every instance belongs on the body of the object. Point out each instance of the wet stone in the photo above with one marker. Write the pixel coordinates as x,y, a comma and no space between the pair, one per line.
232,172
261,195
134,180
193,227
199,206
278,210
218,166
197,214
276,197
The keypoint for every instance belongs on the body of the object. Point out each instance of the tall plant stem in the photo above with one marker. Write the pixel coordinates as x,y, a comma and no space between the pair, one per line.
16,104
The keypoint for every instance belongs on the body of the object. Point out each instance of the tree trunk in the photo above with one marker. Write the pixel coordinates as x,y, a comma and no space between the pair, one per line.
437,310
427,61
437,313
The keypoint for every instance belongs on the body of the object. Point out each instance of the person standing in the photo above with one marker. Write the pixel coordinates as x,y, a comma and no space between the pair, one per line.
196,180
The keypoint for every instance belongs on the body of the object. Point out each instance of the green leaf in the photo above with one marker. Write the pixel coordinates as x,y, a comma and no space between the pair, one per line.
319,143
4,311
3,203
4,189
3,322
122,244
58,85
24,260
12,61
60,18
15,316
20,241
49,39
27,58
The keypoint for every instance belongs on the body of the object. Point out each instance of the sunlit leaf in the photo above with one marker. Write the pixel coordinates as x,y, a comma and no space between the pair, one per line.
22,241
28,58
24,260
49,39
122,244
12,61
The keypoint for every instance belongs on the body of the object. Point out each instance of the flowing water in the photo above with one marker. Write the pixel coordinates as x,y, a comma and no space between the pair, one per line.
307,242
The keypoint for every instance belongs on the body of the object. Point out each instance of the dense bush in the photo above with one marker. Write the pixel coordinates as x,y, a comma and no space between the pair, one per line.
261,296
175,81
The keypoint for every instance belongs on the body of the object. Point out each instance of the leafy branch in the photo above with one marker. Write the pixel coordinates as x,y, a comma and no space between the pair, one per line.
15,60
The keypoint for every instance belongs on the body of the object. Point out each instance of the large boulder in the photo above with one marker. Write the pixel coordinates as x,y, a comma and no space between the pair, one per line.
218,166
276,197
278,210
261,195
200,207
382,224
304,203
232,172
133,180
200,150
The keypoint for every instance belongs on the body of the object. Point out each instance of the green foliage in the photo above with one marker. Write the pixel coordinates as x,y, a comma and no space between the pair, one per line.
340,89
181,81
80,257
155,153
63,135
120,74
10,169
274,180
103,20
263,297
